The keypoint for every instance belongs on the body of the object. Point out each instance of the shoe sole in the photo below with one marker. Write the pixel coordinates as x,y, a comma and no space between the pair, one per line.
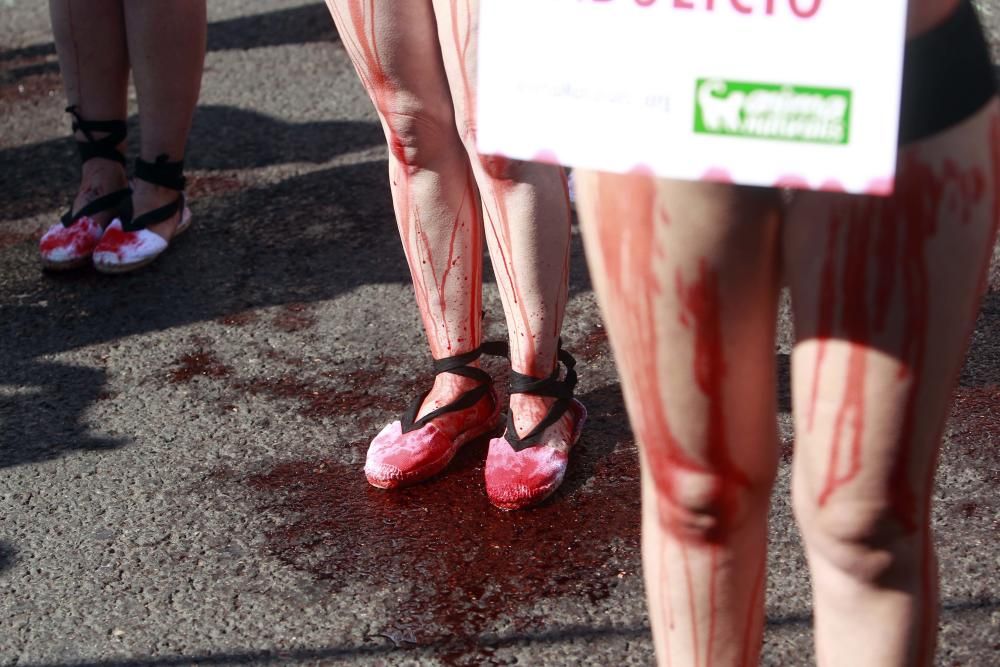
552,488
438,465
114,269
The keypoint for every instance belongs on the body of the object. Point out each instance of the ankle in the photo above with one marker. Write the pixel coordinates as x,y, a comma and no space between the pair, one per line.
528,410
148,196
102,175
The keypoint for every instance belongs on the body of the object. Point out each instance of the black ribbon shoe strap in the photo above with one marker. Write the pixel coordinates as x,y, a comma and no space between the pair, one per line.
552,386
161,172
105,203
457,365
156,215
107,146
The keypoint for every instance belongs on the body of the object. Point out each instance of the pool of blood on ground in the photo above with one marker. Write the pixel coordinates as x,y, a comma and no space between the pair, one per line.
460,564
458,568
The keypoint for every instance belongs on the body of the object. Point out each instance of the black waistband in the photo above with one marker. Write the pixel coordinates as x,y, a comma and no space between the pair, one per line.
947,76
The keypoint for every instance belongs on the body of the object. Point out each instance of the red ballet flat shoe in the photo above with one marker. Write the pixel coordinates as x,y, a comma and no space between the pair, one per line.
525,470
411,450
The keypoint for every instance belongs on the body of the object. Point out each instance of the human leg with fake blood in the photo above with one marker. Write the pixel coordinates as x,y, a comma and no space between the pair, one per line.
122,228
416,60
884,290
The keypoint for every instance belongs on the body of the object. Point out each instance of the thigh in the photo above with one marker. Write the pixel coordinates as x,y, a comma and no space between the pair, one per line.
884,294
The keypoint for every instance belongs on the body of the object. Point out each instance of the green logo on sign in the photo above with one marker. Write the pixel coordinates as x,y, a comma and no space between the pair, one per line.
772,111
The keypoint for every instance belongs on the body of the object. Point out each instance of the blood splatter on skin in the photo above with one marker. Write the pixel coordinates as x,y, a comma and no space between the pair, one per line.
632,254
447,337
854,321
903,225
700,300
901,228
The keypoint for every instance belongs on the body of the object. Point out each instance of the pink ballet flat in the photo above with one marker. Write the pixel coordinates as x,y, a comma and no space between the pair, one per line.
411,450
524,471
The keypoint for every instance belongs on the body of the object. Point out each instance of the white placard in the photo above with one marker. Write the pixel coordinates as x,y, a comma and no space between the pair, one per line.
803,93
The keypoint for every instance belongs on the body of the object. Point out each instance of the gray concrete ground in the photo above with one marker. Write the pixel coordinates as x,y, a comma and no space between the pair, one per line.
180,449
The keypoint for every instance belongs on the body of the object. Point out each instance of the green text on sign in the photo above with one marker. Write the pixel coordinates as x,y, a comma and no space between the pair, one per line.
772,111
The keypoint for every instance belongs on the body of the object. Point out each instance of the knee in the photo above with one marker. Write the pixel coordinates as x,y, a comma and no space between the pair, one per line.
863,539
700,507
419,137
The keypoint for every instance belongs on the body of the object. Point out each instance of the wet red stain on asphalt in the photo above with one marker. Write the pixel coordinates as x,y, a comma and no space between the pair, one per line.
240,319
198,364
461,566
212,185
593,345
11,239
353,396
975,427
293,318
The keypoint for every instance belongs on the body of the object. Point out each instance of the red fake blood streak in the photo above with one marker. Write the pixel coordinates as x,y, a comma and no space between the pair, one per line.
921,198
854,318
626,208
359,33
118,241
626,234
751,648
75,236
702,310
827,309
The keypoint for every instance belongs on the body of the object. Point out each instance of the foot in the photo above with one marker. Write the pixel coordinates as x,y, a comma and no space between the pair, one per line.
121,251
66,247
397,459
518,479
148,197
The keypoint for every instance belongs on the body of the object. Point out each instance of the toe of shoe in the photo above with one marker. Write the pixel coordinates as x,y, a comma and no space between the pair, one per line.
515,480
395,458
62,244
121,248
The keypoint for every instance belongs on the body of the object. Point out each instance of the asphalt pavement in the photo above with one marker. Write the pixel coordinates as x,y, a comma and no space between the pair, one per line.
181,449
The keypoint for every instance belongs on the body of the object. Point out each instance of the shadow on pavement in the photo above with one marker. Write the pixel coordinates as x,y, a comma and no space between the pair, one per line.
39,176
44,419
568,634
8,556
305,239
296,25
268,657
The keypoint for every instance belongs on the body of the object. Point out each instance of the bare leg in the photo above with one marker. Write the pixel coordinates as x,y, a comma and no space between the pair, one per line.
884,294
687,278
394,48
166,43
94,62
527,215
